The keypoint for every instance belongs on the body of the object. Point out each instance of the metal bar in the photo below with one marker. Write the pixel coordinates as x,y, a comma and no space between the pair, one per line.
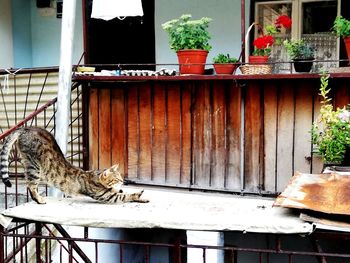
74,246
29,117
41,93
38,232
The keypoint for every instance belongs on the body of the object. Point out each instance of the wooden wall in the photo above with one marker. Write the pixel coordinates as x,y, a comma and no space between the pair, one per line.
250,135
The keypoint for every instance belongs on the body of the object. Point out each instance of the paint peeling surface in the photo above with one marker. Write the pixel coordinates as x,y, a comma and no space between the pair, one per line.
327,193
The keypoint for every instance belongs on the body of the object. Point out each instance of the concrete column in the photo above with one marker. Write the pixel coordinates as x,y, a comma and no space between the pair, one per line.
195,255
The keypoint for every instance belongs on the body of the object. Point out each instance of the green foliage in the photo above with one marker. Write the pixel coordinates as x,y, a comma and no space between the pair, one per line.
341,27
331,131
188,34
222,58
299,49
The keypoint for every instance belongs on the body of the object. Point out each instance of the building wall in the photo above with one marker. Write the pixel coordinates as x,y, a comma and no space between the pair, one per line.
6,50
37,33
225,28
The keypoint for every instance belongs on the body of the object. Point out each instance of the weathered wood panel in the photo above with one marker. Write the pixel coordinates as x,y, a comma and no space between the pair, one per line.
285,135
208,134
270,137
252,136
159,134
303,122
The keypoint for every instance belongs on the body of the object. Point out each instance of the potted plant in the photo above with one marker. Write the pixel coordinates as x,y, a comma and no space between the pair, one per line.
331,131
190,40
341,27
302,54
263,43
224,64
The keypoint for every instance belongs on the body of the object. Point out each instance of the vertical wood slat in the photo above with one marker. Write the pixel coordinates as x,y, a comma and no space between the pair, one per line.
303,122
145,147
173,146
104,128
252,142
93,124
133,132
158,149
285,135
202,136
234,104
186,147
219,146
316,161
118,133
270,136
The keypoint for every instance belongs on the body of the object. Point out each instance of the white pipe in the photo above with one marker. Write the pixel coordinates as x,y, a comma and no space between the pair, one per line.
65,74
246,49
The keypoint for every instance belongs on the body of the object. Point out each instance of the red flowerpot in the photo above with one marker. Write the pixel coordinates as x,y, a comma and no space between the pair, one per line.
347,46
192,61
227,68
258,59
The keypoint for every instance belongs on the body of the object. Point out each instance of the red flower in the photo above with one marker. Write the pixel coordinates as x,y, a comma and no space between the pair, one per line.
263,42
283,21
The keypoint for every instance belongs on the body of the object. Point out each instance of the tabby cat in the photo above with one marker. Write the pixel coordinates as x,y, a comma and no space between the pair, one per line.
43,161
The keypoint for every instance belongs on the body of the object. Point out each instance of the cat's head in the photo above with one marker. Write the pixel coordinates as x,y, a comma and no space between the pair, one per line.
111,177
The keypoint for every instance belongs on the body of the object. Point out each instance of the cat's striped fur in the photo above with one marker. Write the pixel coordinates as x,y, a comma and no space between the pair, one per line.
44,162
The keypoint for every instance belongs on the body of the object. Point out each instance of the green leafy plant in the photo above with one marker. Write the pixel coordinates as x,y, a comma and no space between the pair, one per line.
331,131
222,58
341,27
185,33
299,49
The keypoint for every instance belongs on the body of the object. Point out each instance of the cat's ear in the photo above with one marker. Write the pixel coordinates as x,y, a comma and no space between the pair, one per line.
114,168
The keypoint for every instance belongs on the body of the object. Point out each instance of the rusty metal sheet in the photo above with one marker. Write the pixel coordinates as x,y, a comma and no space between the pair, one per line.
327,193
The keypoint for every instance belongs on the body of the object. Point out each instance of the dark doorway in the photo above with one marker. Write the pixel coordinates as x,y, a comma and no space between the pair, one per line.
127,41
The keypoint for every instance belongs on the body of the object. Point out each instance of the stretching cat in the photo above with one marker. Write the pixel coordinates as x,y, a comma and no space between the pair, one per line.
43,161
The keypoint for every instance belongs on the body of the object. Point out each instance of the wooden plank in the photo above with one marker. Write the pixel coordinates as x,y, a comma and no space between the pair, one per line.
186,125
202,135
270,136
174,134
133,132
104,128
234,156
219,148
303,123
341,94
285,131
93,129
145,153
252,129
159,134
317,163
118,130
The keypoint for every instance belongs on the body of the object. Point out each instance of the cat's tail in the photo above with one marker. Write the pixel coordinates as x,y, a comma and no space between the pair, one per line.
4,157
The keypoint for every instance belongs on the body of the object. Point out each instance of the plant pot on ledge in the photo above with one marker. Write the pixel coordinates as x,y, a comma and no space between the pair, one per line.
303,65
258,59
192,61
225,68
347,46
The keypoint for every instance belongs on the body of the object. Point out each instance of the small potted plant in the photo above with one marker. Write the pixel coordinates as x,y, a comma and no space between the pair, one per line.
224,64
190,40
331,131
302,54
341,27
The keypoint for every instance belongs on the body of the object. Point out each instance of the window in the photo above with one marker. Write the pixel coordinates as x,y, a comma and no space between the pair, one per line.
312,20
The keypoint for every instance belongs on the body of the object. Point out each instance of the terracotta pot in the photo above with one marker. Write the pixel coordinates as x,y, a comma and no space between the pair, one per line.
227,68
258,59
192,61
347,46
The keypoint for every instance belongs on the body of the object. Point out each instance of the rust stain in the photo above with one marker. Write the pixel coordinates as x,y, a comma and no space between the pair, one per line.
328,193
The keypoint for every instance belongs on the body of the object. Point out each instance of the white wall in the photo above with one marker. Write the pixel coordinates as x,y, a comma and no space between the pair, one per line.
6,42
225,28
